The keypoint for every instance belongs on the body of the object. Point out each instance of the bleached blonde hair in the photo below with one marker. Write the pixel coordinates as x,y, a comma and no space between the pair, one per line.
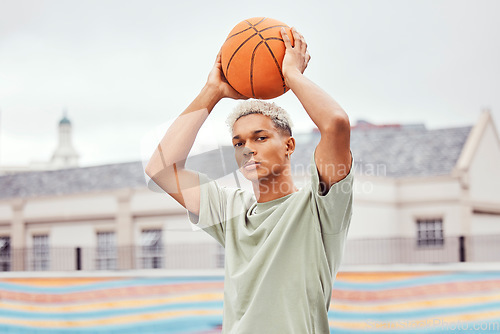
278,115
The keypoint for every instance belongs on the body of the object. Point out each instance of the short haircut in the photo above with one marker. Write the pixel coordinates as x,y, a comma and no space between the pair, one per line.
278,115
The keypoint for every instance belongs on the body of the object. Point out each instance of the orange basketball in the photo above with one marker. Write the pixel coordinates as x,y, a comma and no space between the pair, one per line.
252,56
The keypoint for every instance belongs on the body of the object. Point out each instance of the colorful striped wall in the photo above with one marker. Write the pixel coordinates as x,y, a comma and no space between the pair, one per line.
389,302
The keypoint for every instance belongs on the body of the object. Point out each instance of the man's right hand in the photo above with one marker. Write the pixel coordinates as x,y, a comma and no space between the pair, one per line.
216,80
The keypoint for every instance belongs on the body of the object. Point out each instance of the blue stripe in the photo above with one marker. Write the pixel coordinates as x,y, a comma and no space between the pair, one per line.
418,281
408,327
339,284
118,283
413,313
166,326
374,317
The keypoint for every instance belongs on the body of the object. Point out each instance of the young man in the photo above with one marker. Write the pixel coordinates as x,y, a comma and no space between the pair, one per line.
283,245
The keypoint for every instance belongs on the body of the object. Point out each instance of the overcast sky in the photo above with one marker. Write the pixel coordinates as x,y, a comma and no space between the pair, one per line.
124,68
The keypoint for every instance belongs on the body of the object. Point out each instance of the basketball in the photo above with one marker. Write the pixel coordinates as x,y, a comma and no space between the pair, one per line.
252,56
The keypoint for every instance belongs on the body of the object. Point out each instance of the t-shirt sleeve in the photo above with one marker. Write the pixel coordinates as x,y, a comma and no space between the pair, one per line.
218,205
333,209
212,208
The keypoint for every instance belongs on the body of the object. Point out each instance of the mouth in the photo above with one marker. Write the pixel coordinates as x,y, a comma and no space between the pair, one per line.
250,165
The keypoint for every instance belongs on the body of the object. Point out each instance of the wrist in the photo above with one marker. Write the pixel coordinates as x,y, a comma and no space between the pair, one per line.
292,76
211,94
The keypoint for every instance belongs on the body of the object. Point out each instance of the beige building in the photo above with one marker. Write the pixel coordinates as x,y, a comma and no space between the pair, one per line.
420,195
438,202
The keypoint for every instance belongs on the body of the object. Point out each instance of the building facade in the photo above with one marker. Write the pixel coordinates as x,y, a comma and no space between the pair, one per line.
419,196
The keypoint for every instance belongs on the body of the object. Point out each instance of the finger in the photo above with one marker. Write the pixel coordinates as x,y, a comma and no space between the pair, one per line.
218,57
304,44
308,57
238,96
296,38
286,39
302,41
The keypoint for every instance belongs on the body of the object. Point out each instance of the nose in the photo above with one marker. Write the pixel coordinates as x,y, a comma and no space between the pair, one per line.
247,151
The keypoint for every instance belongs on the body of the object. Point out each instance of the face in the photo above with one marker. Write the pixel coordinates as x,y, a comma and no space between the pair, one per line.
260,149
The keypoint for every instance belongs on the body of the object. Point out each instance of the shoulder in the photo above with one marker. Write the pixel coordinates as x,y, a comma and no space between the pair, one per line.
317,186
213,190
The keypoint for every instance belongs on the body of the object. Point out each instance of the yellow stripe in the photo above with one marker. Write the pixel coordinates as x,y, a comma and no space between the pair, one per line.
58,282
106,321
122,304
422,304
119,304
370,277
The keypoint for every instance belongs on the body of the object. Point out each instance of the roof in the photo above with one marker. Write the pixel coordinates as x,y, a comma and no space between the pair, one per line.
408,152
385,151
72,180
64,120
103,177
399,151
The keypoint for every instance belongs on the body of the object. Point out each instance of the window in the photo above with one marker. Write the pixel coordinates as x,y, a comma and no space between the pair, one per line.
41,254
152,249
4,254
106,251
430,232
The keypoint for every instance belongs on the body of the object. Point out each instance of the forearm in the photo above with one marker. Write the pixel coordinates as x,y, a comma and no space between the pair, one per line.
323,110
180,136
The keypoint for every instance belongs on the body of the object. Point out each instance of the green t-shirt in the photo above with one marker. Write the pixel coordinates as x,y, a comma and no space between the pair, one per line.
281,256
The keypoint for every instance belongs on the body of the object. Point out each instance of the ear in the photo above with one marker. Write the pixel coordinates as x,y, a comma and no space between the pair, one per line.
290,145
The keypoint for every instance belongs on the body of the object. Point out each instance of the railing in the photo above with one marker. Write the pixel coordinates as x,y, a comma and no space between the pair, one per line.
210,255
177,256
401,250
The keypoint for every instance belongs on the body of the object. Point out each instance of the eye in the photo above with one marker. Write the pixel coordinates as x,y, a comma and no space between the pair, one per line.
262,138
237,145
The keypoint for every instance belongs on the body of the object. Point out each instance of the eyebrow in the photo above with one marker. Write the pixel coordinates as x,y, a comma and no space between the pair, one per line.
253,133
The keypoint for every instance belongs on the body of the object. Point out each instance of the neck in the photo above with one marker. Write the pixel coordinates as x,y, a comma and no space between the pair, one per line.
272,188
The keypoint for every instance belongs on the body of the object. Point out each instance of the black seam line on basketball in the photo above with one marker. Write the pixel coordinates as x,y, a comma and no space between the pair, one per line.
281,73
274,39
253,55
277,65
255,29
251,66
275,62
264,18
277,26
235,51
239,33
257,32
252,25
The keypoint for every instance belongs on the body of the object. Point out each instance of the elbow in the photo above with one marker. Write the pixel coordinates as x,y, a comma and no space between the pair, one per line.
157,168
338,123
149,170
152,168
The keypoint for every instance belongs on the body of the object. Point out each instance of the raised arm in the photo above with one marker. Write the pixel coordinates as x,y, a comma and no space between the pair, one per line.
166,166
333,156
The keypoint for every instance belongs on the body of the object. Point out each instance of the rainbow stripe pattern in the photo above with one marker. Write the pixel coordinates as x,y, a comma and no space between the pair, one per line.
383,302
